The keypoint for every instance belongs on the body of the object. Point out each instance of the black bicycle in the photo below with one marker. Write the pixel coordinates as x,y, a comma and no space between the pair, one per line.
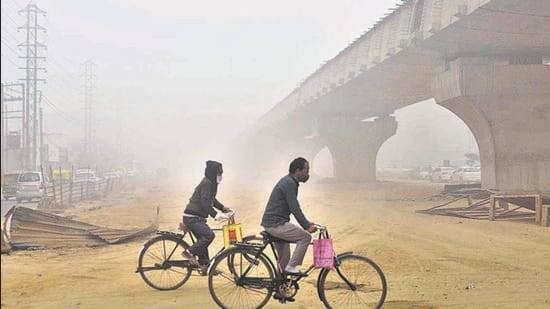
246,277
161,265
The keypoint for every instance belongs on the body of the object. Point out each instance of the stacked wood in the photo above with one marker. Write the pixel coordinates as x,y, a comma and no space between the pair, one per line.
480,210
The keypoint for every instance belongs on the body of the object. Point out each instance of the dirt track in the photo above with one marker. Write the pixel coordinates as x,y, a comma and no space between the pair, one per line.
428,260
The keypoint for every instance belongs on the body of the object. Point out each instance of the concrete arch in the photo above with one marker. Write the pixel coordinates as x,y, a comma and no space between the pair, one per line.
507,107
323,163
354,144
480,128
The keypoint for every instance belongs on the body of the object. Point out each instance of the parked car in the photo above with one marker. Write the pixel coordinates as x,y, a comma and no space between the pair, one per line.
85,175
442,174
30,185
111,175
422,173
9,184
467,174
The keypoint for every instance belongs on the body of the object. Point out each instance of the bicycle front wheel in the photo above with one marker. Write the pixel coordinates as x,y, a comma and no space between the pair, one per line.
160,263
356,282
239,280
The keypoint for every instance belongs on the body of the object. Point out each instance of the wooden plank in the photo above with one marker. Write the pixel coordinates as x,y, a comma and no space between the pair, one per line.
544,215
492,208
538,209
508,211
446,203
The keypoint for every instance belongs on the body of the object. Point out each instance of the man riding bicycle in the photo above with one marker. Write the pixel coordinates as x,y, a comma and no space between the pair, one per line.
283,202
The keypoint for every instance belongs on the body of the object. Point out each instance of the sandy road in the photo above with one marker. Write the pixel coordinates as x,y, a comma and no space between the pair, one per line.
428,260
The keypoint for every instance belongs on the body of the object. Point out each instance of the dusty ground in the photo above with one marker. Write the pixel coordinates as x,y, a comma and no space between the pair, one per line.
428,260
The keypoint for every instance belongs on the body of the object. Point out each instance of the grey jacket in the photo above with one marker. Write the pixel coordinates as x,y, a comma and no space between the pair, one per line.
283,202
203,200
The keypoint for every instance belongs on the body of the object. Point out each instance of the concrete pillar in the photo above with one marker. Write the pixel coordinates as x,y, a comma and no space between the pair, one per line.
507,107
354,144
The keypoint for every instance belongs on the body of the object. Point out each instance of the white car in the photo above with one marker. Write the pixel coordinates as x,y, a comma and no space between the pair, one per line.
442,174
110,175
30,185
467,174
85,175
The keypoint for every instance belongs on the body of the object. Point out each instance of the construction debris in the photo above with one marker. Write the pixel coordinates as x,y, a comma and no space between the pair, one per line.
5,245
37,229
485,208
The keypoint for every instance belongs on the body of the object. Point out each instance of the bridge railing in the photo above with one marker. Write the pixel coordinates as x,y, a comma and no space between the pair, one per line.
410,22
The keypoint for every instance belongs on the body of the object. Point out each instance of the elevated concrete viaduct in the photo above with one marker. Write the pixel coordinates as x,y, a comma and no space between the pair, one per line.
484,60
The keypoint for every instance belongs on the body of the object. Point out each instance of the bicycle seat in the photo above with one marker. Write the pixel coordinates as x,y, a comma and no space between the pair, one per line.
270,238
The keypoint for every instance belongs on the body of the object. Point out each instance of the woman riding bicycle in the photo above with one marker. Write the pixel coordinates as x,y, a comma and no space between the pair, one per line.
201,204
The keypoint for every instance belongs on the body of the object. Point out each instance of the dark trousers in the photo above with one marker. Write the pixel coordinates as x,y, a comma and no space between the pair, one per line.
204,236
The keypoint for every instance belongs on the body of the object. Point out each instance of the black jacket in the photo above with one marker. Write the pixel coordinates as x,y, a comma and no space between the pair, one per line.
203,200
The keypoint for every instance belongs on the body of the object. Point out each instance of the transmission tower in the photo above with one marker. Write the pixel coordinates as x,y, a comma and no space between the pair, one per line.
89,119
34,54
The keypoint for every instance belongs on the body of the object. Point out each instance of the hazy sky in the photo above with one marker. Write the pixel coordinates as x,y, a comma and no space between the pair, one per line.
177,79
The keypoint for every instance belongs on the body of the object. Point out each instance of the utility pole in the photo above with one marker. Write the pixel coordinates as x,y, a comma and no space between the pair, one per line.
34,54
14,94
89,119
4,141
41,135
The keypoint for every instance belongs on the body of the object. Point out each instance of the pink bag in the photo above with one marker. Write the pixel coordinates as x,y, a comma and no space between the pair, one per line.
323,253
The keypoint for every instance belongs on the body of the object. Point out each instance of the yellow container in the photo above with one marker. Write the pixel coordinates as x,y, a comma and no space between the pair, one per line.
232,233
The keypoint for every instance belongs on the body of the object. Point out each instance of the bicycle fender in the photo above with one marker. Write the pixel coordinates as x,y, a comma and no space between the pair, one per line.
344,254
216,257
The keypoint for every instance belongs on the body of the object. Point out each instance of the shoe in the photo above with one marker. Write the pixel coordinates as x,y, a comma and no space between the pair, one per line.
190,257
283,299
294,271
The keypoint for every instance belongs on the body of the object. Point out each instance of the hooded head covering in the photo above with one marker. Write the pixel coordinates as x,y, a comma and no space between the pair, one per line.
212,170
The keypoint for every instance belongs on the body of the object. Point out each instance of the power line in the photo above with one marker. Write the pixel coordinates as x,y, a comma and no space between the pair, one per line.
9,47
17,4
89,130
11,35
58,110
9,17
11,61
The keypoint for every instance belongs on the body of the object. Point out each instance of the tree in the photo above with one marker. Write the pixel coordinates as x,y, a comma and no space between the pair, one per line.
472,158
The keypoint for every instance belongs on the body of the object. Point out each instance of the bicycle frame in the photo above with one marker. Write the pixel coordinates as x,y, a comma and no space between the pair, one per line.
279,277
180,239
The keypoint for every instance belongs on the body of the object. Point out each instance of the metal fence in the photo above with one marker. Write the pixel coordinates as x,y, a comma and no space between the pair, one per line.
66,193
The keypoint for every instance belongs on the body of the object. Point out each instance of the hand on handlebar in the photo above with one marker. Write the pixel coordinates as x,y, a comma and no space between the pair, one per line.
320,227
222,216
312,228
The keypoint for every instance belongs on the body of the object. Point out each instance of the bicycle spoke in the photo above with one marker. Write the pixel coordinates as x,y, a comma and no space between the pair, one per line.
368,291
229,287
156,267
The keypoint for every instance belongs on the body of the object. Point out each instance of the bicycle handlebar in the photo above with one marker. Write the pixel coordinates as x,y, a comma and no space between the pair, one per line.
320,227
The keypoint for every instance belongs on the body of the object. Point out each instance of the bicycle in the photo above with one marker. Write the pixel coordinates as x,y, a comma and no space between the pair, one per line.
249,282
160,263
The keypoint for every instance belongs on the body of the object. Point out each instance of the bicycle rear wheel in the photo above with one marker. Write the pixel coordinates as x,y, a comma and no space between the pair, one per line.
161,265
365,286
230,287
